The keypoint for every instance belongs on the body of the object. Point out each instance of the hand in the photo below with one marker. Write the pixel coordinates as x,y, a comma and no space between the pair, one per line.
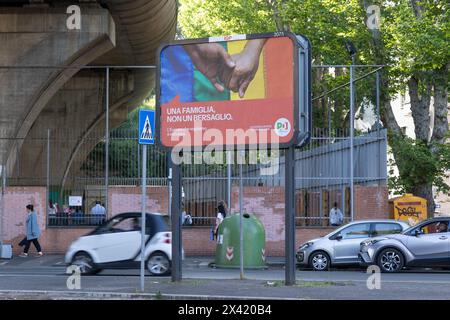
247,63
211,59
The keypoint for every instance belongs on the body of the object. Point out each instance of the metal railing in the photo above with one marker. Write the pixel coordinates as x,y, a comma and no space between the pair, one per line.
75,219
73,160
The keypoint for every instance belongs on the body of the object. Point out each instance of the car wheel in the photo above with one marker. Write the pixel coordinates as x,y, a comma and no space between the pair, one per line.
319,261
85,263
158,264
391,260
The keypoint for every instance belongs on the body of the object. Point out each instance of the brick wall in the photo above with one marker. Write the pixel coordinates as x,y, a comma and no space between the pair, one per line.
58,240
15,200
371,202
196,241
129,199
267,203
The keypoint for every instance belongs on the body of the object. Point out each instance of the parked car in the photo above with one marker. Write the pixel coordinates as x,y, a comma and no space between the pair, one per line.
341,247
116,244
426,244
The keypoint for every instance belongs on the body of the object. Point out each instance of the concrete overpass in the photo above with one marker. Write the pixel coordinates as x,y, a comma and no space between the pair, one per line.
34,33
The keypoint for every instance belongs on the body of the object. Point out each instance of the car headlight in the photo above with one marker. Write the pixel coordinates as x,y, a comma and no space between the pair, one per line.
305,245
372,241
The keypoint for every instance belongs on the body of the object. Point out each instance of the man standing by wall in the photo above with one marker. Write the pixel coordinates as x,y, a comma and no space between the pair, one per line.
98,213
336,216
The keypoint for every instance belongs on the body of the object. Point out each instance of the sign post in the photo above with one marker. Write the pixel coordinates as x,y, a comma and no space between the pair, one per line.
175,207
146,137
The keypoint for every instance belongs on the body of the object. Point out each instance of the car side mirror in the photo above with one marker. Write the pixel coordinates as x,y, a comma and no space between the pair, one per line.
417,232
338,237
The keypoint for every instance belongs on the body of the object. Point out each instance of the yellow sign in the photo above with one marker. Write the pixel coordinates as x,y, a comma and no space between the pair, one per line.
410,209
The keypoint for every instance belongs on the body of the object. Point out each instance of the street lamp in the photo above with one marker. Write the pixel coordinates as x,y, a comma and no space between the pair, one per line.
351,49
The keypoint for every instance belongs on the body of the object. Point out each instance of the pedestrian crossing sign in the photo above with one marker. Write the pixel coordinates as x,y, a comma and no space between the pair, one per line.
146,127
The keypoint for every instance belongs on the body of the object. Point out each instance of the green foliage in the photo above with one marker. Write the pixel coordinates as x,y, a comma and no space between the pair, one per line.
409,42
124,160
422,42
326,23
419,164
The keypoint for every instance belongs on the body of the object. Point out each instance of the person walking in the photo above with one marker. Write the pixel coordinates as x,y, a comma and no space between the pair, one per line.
221,214
336,216
33,233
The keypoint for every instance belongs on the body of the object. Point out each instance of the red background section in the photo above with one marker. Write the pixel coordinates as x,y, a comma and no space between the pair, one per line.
246,114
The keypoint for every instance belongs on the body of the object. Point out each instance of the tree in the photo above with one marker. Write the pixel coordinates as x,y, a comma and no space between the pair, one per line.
412,40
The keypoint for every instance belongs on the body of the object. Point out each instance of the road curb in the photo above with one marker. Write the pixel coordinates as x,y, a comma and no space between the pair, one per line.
82,295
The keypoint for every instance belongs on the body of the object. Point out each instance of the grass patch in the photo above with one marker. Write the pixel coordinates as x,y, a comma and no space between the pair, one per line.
307,284
158,295
189,282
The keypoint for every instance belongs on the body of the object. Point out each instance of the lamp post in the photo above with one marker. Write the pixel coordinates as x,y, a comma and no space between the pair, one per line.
352,52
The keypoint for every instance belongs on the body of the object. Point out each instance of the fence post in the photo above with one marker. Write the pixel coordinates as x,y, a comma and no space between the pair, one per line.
107,143
2,202
48,176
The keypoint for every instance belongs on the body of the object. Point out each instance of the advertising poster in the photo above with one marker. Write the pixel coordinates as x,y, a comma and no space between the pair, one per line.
213,93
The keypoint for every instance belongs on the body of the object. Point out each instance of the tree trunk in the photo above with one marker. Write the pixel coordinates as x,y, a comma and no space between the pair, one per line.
426,191
387,115
440,96
275,7
420,107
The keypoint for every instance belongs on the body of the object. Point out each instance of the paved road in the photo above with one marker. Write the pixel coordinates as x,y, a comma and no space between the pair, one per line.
48,274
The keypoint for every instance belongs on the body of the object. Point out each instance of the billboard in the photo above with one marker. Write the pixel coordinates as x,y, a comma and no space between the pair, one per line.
234,90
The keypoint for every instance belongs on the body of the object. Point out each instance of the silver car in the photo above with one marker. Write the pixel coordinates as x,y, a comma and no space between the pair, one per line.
426,245
341,247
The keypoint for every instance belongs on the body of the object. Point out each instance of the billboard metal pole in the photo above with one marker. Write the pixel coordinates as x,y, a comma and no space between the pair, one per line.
143,212
176,222
289,190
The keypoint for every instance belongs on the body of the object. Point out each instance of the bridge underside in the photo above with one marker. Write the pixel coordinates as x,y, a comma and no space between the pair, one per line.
64,98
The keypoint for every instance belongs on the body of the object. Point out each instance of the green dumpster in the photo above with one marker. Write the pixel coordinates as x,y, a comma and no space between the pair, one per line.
228,244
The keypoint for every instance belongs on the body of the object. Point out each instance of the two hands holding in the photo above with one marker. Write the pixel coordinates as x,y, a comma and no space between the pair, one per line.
234,72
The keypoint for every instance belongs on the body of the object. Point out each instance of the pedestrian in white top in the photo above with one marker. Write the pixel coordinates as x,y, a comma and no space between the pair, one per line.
336,216
221,214
98,213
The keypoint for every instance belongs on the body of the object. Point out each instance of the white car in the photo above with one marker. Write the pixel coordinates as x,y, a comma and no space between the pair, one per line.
116,244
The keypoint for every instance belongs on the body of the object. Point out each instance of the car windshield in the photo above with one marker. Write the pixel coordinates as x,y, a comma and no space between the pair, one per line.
421,225
409,229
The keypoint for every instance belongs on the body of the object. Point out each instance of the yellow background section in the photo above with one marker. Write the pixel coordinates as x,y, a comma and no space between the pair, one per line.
256,89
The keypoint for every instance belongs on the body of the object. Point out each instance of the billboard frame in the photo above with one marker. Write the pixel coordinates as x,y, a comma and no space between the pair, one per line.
302,87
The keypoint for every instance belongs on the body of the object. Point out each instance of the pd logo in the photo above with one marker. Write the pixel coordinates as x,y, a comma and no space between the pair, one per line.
282,127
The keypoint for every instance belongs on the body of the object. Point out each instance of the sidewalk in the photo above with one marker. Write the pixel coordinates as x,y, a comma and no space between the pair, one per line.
46,278
209,261
58,261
